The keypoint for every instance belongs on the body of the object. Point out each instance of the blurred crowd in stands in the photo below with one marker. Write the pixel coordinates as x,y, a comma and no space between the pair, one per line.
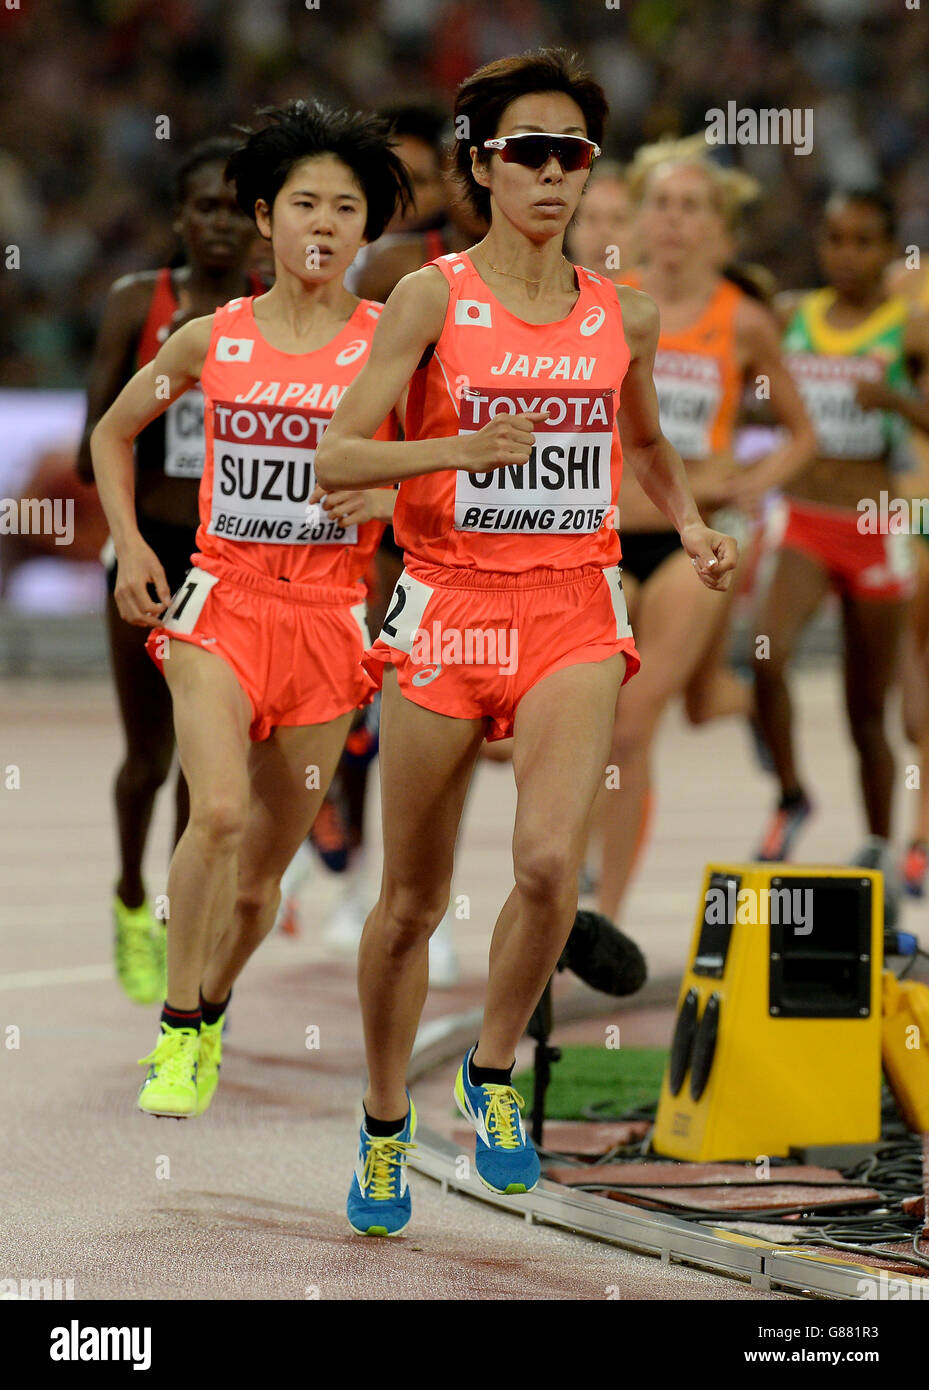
85,182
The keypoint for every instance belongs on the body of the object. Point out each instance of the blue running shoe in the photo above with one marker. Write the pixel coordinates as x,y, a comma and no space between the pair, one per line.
379,1197
504,1154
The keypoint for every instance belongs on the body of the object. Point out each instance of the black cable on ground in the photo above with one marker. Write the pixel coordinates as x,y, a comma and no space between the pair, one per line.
894,1171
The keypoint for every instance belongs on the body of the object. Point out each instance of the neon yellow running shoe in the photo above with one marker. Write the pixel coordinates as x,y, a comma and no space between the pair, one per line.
134,957
210,1061
170,1086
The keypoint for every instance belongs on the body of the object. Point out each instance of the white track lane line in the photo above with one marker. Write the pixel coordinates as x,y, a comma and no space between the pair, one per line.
74,975
284,952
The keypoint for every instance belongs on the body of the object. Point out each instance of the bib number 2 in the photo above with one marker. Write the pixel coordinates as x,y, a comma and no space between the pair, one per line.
407,605
187,604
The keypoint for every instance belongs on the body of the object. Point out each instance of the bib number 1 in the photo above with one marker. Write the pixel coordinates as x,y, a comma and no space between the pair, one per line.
187,604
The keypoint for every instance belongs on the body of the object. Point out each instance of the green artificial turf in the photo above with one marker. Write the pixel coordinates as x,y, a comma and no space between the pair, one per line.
616,1080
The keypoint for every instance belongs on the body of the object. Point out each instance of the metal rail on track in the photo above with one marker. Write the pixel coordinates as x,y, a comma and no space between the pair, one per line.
761,1263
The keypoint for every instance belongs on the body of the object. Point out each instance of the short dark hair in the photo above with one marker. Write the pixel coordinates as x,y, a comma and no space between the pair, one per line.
419,120
216,150
872,197
484,96
259,168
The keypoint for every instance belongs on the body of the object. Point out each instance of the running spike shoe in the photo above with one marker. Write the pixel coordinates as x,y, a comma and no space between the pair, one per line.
135,952
329,838
361,745
505,1156
913,869
170,1085
209,1061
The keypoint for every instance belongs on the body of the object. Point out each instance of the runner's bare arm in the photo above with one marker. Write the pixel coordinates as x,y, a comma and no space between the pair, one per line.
759,341
148,395
111,364
349,457
878,395
655,462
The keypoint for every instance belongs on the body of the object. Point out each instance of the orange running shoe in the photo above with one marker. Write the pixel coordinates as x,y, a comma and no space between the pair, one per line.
782,830
913,869
288,921
328,837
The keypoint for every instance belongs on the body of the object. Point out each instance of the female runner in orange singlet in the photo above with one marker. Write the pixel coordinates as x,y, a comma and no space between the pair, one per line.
261,646
509,617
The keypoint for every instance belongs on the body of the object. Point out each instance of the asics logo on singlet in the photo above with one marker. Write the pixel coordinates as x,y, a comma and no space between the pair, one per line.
591,322
351,352
234,349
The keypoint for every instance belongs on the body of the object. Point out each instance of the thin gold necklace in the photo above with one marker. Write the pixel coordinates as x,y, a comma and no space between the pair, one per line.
512,274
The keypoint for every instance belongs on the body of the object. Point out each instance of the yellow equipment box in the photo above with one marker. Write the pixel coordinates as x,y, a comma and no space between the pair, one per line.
905,1047
778,1036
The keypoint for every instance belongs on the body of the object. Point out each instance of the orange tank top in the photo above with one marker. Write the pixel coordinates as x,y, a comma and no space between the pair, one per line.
557,510
697,376
265,413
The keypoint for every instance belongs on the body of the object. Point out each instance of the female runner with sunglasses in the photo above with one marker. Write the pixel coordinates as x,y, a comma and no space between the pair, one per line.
509,617
261,646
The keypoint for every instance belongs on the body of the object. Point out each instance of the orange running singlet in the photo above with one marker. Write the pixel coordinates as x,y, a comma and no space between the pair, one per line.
557,510
266,411
697,376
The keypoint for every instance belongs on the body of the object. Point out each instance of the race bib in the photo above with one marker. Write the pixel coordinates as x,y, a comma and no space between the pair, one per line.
613,578
565,485
264,475
689,394
187,604
184,443
404,615
827,385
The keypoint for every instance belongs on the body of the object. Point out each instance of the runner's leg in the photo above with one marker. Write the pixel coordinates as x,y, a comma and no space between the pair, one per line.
561,744
916,687
280,814
426,765
797,588
873,633
675,617
145,711
211,719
